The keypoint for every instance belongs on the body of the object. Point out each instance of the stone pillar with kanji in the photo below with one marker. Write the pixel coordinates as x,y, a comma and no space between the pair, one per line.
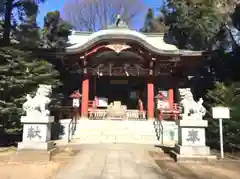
191,129
37,125
36,133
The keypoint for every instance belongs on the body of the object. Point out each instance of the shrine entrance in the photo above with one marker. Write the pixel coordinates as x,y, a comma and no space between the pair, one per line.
124,89
117,65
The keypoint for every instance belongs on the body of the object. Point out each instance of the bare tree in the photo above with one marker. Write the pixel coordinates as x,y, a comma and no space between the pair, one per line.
92,15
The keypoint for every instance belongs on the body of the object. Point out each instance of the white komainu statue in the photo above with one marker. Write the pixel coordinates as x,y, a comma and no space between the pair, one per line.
190,108
38,104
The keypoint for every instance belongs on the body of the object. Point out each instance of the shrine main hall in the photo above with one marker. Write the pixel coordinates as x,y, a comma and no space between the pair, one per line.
124,72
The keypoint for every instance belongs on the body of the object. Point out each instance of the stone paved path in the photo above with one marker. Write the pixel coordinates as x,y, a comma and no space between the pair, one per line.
112,164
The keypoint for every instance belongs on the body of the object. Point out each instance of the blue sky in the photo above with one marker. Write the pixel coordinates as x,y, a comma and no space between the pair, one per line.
52,5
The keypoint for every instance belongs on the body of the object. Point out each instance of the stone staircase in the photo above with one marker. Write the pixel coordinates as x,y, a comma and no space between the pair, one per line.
115,131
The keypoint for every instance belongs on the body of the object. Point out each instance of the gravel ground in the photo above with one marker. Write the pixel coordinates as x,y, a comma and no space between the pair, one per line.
174,170
218,171
28,171
169,169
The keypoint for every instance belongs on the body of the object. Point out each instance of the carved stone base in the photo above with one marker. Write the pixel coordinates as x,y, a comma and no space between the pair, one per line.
191,158
192,141
33,155
36,133
35,145
192,150
192,132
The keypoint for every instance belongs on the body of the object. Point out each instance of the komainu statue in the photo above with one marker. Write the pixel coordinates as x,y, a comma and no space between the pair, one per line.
38,104
190,108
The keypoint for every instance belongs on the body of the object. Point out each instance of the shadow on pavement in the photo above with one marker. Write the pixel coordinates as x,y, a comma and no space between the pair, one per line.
174,171
192,170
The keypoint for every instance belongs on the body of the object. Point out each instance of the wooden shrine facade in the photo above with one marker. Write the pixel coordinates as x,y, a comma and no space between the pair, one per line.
121,52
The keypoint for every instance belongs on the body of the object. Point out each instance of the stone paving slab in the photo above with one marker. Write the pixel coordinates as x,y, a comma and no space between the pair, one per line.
112,164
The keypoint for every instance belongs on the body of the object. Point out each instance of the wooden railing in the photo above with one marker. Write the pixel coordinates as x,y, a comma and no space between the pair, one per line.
97,114
170,113
136,115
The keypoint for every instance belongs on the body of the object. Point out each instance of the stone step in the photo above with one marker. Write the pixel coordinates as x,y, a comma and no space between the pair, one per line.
126,137
117,139
121,141
120,135
99,123
119,132
108,131
114,128
129,132
114,142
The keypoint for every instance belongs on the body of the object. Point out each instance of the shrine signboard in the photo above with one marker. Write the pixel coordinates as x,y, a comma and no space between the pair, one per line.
102,102
221,113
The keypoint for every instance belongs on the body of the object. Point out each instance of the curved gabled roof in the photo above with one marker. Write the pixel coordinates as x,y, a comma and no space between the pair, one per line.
81,41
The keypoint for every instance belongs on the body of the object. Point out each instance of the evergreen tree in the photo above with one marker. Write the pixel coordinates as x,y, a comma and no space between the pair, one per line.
7,8
154,23
223,74
22,68
28,31
20,73
54,38
236,16
212,26
55,31
192,24
1,8
225,95
148,26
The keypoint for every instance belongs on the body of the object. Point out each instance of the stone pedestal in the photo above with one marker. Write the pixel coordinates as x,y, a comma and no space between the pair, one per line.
192,141
36,137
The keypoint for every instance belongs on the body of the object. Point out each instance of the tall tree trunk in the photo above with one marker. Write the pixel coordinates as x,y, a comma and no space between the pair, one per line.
7,21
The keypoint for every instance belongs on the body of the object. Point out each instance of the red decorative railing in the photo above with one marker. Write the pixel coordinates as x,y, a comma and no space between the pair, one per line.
171,113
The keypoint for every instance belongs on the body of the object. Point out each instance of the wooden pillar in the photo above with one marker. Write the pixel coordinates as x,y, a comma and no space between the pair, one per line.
171,97
85,96
150,99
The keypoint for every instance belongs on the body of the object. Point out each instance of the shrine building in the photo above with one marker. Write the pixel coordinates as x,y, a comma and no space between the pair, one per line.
125,72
